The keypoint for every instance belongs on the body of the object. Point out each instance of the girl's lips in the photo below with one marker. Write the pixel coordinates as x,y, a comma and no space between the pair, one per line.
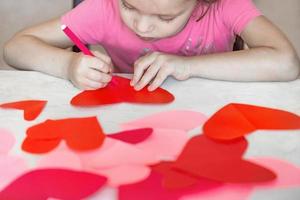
146,38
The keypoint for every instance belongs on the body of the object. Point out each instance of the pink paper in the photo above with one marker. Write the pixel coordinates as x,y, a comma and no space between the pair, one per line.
65,158
179,120
124,174
165,144
62,157
115,153
10,168
6,141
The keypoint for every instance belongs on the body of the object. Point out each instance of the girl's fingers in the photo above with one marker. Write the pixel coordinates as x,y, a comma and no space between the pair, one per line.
140,66
97,76
148,76
159,79
92,85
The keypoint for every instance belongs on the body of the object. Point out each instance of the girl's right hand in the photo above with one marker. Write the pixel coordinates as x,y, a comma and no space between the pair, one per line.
90,73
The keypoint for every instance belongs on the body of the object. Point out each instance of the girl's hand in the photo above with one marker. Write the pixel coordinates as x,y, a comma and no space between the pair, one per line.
90,73
155,67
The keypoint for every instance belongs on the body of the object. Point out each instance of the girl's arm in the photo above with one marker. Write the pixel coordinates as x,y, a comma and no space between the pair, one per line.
40,48
271,57
43,48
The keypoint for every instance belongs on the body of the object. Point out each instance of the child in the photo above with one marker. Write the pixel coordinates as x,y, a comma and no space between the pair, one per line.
155,39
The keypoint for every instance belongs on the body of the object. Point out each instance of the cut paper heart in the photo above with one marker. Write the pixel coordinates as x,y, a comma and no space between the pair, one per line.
220,161
65,158
55,183
288,175
236,120
11,167
6,141
120,162
115,153
169,131
152,188
177,180
79,133
31,108
62,158
164,144
178,119
118,91
124,174
132,136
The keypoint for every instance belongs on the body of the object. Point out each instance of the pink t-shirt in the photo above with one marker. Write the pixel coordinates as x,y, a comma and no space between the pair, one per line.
99,22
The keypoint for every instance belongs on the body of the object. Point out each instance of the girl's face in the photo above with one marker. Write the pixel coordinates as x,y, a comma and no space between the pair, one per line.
155,19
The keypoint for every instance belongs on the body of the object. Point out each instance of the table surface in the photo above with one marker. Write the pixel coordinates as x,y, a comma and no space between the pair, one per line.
202,95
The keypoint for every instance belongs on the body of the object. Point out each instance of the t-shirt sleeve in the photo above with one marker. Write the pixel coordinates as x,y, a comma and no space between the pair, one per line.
87,21
238,13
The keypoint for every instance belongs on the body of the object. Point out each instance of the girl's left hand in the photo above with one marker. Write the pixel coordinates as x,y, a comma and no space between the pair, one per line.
155,67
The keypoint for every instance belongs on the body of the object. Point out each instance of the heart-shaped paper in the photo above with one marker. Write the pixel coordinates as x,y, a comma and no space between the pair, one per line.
56,183
6,141
118,91
126,172
236,120
152,188
32,108
79,134
177,119
132,136
220,161
177,180
288,175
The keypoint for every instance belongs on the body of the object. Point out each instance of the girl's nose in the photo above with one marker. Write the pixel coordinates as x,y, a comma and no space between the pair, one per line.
142,25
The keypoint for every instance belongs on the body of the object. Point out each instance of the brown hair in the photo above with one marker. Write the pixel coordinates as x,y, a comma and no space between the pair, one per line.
239,42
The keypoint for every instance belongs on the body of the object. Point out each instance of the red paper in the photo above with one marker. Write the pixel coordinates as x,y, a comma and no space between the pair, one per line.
118,91
152,189
55,183
176,180
79,134
132,136
220,161
236,120
32,108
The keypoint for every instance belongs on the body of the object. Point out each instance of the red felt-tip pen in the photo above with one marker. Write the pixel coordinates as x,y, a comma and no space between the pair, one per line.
76,40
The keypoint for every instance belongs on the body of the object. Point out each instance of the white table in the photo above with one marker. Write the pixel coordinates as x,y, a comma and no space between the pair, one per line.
201,95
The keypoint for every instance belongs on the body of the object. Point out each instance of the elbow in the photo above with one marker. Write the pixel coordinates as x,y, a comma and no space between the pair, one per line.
289,69
8,52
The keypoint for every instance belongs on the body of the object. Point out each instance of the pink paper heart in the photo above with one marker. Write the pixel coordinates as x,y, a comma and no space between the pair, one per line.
6,141
124,174
179,120
10,168
115,153
62,157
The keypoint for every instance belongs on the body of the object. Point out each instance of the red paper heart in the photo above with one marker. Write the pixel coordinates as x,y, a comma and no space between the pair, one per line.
220,161
236,120
118,91
55,183
132,136
176,180
152,188
79,134
32,108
